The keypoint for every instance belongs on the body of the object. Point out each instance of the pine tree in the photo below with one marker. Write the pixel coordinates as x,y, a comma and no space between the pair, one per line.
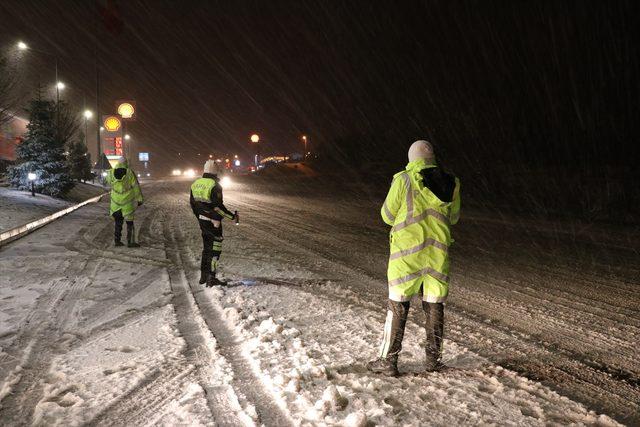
42,152
79,160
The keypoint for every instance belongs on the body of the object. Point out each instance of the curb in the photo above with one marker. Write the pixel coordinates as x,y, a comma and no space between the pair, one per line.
23,230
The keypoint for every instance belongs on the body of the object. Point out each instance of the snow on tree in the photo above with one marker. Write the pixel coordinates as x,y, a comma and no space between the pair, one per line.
43,149
79,160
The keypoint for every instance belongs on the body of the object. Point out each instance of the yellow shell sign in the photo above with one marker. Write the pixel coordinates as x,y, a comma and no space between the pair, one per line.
112,124
126,110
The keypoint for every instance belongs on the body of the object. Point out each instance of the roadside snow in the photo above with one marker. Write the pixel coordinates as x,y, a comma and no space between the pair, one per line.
19,207
309,352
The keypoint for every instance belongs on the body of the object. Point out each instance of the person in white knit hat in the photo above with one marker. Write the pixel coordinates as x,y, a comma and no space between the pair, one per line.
422,204
209,209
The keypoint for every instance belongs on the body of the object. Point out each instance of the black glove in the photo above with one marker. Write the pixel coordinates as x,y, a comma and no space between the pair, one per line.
139,203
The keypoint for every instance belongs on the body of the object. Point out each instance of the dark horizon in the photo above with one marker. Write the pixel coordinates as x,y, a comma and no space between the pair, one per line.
549,84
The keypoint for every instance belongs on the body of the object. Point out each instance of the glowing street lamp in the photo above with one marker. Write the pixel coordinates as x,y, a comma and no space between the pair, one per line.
304,139
127,137
32,178
87,115
59,85
255,139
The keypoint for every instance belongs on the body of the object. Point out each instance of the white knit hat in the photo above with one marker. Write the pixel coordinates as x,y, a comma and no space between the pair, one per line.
421,149
211,167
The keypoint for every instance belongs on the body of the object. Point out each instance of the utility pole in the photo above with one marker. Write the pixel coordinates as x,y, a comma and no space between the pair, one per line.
98,116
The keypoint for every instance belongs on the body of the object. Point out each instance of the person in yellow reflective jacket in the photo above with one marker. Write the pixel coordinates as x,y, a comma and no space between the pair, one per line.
422,204
126,196
207,206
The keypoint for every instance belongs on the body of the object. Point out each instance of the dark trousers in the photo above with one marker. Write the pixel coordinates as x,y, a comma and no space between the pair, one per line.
211,247
117,233
397,314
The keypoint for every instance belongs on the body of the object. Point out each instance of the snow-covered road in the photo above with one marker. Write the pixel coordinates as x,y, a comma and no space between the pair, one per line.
542,327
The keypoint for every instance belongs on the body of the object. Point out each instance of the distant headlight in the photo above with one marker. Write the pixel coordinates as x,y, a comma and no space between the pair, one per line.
226,182
189,173
148,174
138,175
176,172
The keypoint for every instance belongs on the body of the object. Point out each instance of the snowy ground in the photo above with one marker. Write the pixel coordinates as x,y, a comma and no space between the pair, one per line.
542,327
19,207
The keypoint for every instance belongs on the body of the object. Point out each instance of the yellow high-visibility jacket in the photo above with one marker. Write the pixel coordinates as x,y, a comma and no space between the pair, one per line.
420,235
125,192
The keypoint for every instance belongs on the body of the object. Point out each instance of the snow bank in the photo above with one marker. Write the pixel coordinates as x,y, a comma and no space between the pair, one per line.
19,207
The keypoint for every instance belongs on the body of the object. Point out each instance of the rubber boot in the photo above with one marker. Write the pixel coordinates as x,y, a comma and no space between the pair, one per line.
117,232
205,266
131,236
213,281
387,361
384,365
434,326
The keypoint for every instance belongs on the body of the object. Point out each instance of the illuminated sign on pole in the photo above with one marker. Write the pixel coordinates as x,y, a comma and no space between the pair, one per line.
111,136
112,124
143,157
126,109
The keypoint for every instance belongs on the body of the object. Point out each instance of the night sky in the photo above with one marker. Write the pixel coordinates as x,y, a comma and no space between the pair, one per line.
535,83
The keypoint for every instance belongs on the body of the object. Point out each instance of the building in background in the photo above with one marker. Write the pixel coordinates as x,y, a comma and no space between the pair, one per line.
11,134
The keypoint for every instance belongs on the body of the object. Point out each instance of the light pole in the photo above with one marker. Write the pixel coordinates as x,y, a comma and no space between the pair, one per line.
32,179
255,138
59,85
87,115
129,153
304,139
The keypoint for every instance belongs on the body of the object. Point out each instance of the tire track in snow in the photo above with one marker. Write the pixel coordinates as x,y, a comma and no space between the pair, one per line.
42,337
200,351
146,402
246,385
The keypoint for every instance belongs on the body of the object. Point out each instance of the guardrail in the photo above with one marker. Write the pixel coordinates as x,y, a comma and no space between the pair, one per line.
23,230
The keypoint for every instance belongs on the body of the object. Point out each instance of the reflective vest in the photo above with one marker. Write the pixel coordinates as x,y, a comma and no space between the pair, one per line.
125,192
202,188
420,235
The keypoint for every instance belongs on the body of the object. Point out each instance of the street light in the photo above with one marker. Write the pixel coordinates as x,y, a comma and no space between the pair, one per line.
255,139
304,138
32,178
87,115
127,136
59,85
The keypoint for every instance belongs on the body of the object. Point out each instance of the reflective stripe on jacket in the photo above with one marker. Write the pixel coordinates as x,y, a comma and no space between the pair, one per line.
125,192
420,235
